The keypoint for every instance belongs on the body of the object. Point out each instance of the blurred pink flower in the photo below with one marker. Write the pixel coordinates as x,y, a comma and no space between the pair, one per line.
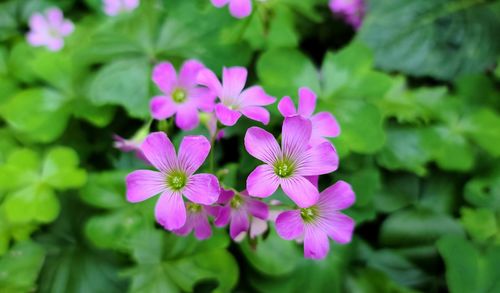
323,123
115,7
316,223
234,101
181,94
129,145
351,10
49,29
237,8
197,220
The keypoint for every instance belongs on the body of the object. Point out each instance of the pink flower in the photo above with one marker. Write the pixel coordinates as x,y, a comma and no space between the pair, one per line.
237,208
49,29
197,220
175,178
352,10
115,7
289,165
320,221
323,123
233,100
129,145
181,95
238,8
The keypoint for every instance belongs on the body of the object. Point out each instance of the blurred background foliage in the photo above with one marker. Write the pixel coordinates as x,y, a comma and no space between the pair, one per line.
416,91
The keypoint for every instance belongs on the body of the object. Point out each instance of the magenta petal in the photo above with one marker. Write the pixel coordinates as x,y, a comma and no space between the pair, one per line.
316,244
257,113
313,179
325,125
143,184
170,211
202,189
187,117
339,196
318,160
240,8
186,229
226,116
55,16
223,216
219,3
257,208
262,145
203,98
300,190
159,151
189,73
307,102
286,107
66,28
257,227
233,80
193,151
262,182
289,225
255,96
239,223
296,133
165,77
162,107
338,226
225,196
207,78
202,229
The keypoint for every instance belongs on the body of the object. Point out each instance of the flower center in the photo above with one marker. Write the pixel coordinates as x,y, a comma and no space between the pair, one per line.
193,208
179,96
176,180
309,214
284,168
236,201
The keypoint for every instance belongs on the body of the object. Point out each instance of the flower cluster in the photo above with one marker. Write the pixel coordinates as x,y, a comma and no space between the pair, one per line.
190,201
352,11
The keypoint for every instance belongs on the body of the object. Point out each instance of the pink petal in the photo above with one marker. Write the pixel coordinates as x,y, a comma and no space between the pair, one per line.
300,190
307,102
296,132
313,179
162,107
159,151
262,145
239,223
257,227
202,98
338,226
225,196
202,229
316,244
187,117
223,216
289,225
170,211
226,116
143,184
131,4
240,8
207,78
257,113
36,38
193,151
337,197
54,16
189,73
257,208
55,44
233,81
219,3
202,189
262,182
165,77
318,160
66,28
255,96
325,125
286,107
186,229
38,22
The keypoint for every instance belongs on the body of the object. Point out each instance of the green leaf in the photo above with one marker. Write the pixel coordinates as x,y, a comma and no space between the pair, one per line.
441,38
19,268
38,114
60,169
32,204
450,148
398,192
484,191
105,190
283,71
483,126
124,83
480,223
19,170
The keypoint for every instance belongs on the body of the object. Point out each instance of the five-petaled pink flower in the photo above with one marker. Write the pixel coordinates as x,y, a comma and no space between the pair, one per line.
197,220
49,29
115,7
238,8
323,123
289,165
235,101
236,209
181,95
351,10
320,221
175,178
